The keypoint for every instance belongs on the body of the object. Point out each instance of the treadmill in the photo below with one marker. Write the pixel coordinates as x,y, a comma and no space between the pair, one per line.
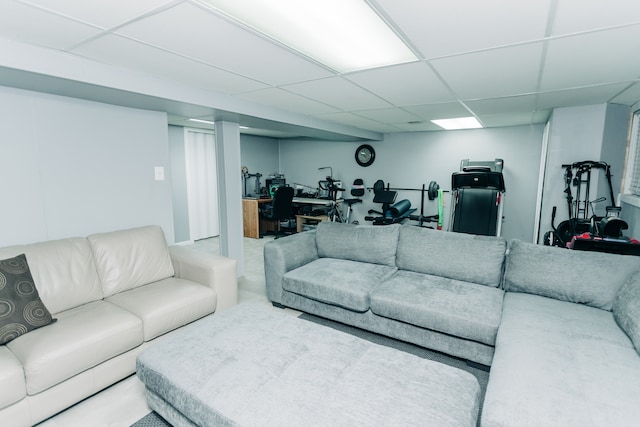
477,198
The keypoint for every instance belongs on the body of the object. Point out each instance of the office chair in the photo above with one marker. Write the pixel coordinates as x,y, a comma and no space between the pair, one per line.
280,209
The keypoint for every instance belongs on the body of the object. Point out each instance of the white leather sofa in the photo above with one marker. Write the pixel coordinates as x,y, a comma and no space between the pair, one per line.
112,295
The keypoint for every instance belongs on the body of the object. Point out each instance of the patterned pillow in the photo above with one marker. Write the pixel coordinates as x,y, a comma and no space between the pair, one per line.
21,309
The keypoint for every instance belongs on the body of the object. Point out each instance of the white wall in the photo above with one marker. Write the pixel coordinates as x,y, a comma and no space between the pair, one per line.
408,160
593,132
260,155
72,167
179,184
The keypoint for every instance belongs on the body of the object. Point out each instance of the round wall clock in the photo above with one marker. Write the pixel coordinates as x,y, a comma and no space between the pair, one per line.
365,155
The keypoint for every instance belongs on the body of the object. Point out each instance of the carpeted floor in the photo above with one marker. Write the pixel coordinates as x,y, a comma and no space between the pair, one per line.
151,420
481,372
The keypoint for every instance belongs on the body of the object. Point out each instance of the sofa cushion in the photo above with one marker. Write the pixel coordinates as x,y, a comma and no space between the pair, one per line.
82,338
21,309
166,305
337,281
11,377
561,364
456,308
64,272
364,243
126,259
476,259
591,278
626,309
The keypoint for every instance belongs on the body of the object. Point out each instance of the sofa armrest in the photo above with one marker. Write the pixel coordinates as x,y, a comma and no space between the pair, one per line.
284,255
216,271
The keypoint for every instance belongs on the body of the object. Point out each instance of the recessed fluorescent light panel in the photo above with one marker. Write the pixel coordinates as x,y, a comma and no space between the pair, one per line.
346,35
458,123
209,122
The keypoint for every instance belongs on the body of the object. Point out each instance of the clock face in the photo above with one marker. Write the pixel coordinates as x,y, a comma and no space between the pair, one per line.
365,155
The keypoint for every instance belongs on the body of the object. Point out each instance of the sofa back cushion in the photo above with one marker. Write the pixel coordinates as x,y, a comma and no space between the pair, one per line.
591,278
364,243
466,257
126,259
63,271
626,309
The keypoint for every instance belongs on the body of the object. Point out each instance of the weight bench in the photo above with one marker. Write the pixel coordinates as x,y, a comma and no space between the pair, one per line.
253,366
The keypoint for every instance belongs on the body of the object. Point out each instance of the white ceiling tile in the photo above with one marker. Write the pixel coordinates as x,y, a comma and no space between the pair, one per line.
513,104
629,96
582,96
492,73
423,126
359,121
484,57
389,115
592,58
407,84
290,101
31,25
455,26
102,13
338,92
189,30
446,110
574,16
130,54
510,119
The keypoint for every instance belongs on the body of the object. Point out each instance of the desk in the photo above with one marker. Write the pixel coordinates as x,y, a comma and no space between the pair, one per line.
312,201
252,223
303,219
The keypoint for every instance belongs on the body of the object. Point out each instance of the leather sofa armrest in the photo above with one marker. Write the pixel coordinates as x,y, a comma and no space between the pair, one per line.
284,255
216,271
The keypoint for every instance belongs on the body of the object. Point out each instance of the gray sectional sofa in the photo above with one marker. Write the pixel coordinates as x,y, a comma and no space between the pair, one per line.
560,329
112,295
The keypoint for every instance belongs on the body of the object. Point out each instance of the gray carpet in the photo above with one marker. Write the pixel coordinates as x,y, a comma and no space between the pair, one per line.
481,372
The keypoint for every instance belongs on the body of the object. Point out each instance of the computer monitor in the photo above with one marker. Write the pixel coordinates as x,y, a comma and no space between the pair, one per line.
273,184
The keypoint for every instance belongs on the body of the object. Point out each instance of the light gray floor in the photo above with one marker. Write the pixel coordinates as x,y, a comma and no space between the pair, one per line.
124,403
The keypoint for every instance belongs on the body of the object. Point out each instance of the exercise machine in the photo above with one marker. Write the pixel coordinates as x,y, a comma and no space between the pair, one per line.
584,230
357,190
393,212
477,198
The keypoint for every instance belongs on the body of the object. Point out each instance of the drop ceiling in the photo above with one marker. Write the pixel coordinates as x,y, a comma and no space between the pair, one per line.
505,62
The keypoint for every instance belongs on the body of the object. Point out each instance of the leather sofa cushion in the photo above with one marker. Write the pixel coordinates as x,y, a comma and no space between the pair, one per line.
338,282
476,259
591,278
13,386
166,305
126,259
63,270
461,309
82,337
364,243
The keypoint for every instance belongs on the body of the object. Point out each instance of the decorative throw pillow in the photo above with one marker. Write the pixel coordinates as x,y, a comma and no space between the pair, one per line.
626,309
21,309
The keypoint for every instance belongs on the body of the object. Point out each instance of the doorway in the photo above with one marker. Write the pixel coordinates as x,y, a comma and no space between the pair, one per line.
202,184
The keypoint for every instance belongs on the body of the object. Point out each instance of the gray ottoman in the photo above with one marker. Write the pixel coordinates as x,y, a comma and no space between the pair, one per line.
253,366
